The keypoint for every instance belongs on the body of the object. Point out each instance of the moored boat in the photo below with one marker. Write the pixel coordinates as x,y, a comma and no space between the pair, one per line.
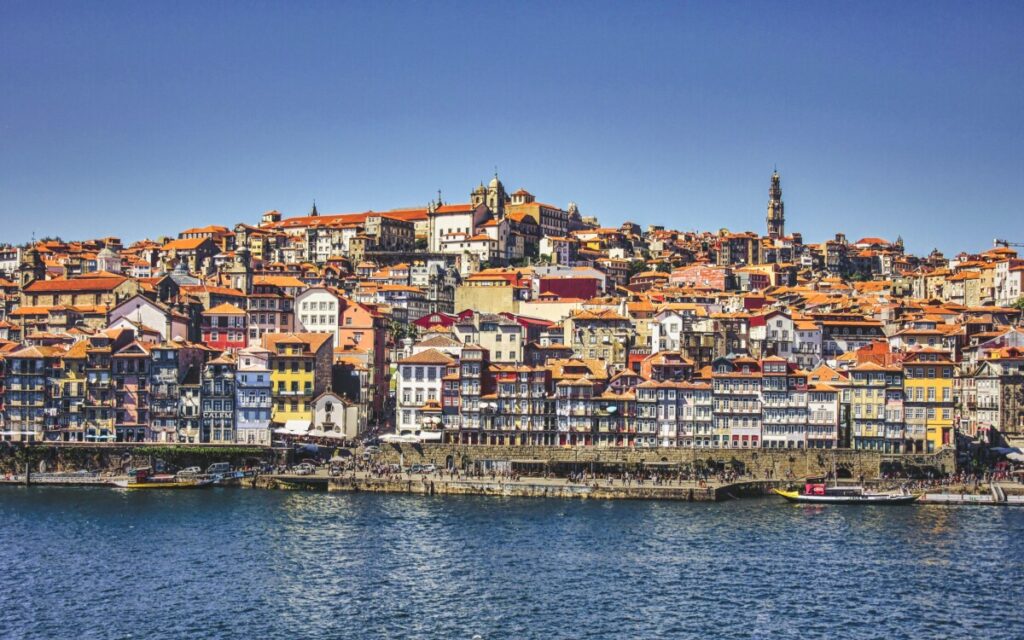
143,479
816,493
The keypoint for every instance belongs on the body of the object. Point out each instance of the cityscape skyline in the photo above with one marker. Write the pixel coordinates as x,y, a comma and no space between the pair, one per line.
334,309
755,226
121,116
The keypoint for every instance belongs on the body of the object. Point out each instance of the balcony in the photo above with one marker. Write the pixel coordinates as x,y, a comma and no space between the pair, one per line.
25,403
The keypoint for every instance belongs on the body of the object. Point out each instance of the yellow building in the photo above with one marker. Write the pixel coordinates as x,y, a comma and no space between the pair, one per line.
300,370
928,398
72,380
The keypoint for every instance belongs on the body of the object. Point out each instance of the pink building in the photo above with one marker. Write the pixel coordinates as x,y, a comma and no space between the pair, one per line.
699,276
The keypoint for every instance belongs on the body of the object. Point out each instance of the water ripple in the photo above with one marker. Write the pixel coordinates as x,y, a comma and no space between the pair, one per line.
92,563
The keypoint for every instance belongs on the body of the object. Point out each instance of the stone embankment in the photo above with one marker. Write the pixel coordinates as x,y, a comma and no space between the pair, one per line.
120,455
525,488
759,463
438,484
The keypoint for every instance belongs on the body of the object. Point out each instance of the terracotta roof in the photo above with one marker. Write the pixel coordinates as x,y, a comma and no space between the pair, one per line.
278,281
76,285
430,356
314,340
439,341
184,244
224,309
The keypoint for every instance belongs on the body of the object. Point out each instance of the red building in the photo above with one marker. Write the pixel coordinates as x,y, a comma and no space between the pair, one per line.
570,287
224,327
436,319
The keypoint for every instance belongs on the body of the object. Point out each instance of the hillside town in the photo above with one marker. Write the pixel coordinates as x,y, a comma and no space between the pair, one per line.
503,320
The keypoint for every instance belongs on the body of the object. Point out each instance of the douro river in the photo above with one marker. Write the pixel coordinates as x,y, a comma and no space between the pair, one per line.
232,563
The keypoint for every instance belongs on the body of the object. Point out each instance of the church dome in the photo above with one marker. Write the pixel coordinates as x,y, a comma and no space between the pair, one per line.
495,183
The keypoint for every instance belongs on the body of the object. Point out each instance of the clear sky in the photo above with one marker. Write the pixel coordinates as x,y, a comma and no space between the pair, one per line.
143,118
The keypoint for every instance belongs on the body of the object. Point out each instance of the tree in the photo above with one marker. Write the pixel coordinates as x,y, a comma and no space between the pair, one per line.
401,330
1019,305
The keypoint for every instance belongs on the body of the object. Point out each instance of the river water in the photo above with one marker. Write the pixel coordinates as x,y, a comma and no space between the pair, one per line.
235,563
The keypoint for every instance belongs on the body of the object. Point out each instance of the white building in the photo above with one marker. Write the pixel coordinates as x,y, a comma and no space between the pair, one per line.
317,310
475,250
252,396
783,405
141,311
822,416
333,416
454,220
775,333
10,260
696,417
419,389
670,326
807,344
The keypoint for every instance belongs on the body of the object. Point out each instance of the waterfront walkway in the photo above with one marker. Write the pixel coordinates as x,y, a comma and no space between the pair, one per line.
522,486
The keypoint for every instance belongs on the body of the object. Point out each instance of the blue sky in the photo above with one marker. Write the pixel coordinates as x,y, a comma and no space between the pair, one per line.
141,119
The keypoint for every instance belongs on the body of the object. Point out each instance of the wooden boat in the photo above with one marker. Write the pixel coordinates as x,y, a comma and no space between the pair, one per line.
820,494
161,483
815,491
144,480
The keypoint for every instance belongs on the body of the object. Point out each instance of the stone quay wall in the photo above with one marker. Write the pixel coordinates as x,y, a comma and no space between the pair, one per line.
120,456
795,463
521,489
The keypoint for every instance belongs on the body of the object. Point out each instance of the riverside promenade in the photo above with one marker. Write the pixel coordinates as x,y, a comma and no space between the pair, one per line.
431,484
526,471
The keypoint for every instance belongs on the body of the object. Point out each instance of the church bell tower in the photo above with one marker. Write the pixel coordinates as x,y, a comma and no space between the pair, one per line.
776,209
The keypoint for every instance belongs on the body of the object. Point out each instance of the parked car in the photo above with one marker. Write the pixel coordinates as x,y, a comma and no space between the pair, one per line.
429,468
218,467
304,469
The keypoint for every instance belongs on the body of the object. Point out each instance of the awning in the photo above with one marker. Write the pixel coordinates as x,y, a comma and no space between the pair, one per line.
316,433
294,427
